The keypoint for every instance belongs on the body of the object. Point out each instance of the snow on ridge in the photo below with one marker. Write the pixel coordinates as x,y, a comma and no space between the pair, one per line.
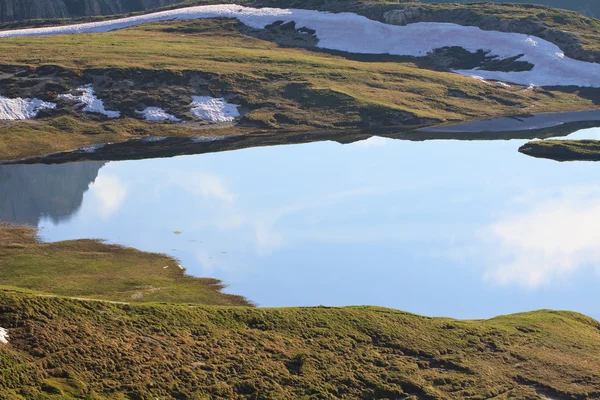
3,336
357,34
157,114
18,108
213,109
92,103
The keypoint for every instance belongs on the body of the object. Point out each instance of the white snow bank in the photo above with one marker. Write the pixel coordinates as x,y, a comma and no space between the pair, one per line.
18,108
3,336
211,109
91,148
92,103
353,33
157,114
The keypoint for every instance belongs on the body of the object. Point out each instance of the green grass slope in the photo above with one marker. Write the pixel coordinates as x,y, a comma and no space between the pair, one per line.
61,348
92,269
95,321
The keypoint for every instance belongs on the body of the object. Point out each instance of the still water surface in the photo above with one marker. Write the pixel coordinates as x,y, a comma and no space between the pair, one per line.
453,228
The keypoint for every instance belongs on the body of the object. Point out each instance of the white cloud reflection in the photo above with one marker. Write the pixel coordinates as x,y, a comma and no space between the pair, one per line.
110,193
263,226
373,141
548,243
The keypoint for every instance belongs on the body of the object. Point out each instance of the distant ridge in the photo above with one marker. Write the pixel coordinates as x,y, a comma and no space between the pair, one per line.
15,10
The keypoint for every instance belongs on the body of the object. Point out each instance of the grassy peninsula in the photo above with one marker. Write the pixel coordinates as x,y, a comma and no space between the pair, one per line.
92,269
563,150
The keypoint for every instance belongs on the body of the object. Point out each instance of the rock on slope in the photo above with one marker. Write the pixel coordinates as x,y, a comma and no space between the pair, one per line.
13,10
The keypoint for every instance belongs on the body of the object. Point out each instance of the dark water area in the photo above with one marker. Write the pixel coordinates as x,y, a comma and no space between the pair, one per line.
466,229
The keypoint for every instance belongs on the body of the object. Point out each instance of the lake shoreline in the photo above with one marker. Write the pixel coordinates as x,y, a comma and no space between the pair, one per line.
537,126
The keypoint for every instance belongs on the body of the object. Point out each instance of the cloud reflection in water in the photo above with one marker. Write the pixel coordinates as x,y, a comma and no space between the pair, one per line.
547,243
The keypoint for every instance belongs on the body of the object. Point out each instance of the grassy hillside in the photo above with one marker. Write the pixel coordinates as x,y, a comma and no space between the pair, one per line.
91,269
64,342
280,88
62,348
591,8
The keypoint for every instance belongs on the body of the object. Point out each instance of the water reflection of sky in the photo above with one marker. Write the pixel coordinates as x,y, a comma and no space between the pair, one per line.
463,229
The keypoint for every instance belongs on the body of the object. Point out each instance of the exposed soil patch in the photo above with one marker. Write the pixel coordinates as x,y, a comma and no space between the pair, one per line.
459,58
285,34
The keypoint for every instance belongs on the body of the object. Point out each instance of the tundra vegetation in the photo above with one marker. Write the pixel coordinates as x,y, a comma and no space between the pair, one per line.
90,320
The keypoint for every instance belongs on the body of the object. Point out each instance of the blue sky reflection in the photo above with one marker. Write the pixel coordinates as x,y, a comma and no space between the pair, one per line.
463,229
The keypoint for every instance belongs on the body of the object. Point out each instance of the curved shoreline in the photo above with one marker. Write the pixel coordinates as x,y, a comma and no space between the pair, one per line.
161,147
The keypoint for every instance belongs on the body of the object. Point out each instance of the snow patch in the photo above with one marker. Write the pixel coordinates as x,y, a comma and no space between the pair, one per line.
91,148
208,139
157,114
480,79
357,34
18,108
531,41
3,336
92,103
212,109
502,84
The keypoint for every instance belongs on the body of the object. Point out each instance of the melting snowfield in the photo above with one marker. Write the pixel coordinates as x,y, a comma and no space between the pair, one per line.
157,114
92,103
357,34
18,108
211,109
3,336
